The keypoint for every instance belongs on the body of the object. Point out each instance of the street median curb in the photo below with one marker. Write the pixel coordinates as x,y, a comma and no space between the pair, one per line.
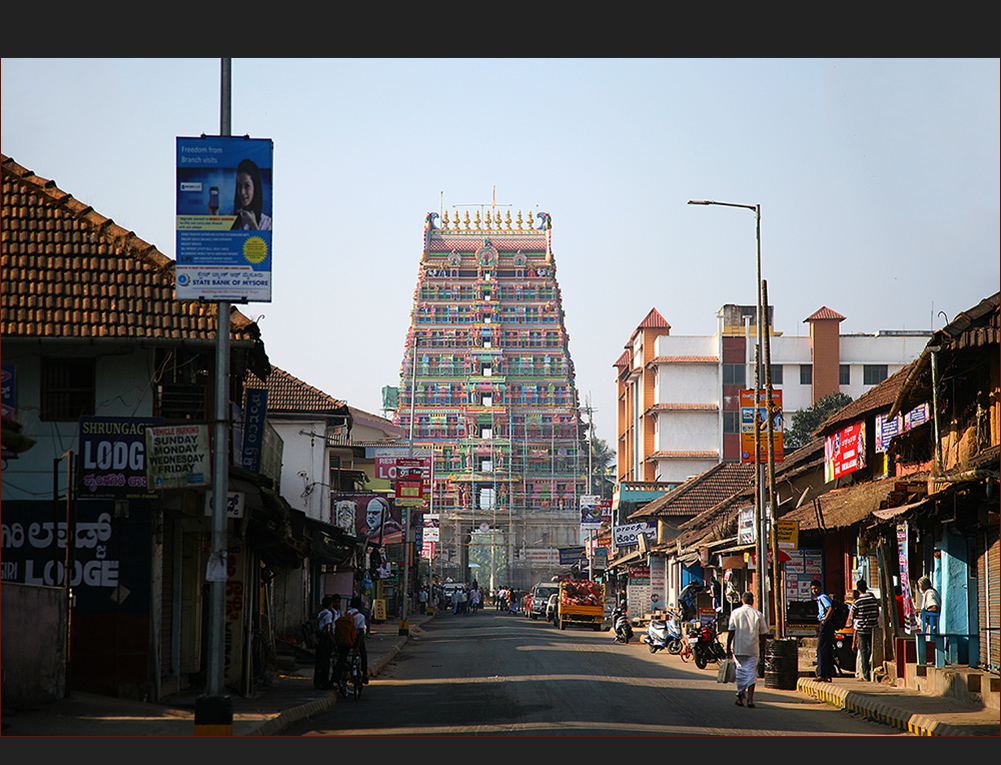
873,709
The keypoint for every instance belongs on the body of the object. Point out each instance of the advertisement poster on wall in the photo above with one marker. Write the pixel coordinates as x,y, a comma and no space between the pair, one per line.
223,222
369,516
887,429
178,457
638,590
844,451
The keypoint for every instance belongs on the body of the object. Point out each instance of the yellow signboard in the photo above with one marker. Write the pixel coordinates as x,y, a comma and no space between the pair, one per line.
379,609
787,534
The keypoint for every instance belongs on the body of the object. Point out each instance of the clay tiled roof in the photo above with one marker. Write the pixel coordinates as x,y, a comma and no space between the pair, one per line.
701,492
824,313
70,272
654,320
873,400
290,395
623,360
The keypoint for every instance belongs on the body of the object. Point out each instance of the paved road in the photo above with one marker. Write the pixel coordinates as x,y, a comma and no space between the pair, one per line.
496,674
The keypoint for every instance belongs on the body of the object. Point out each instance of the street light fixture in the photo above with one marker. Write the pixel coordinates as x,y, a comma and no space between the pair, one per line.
761,566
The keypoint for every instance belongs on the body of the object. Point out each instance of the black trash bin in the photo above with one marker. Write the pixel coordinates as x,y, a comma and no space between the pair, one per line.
844,653
782,664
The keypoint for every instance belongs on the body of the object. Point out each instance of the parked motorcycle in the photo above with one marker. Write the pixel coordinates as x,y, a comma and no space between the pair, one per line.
705,647
664,634
621,627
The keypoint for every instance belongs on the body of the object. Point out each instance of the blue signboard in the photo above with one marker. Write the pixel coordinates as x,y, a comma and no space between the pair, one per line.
253,428
224,209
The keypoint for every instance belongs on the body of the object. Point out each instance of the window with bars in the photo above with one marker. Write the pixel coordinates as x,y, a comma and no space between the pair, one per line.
67,389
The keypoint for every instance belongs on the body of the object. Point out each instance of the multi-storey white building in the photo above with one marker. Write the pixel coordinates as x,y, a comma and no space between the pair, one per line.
679,396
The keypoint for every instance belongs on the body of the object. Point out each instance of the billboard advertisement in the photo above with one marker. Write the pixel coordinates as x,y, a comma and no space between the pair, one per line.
113,457
369,516
887,429
844,451
747,427
590,513
223,219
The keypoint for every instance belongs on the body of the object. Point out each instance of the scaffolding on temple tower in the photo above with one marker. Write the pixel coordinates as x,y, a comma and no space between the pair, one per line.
495,397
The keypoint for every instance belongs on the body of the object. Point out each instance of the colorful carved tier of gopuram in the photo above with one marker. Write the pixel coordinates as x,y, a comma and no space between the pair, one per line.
488,382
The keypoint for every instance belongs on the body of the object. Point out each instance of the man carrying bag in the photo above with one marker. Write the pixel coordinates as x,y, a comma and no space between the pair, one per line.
744,640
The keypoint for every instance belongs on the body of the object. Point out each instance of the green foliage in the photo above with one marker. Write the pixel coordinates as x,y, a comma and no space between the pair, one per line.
805,421
602,468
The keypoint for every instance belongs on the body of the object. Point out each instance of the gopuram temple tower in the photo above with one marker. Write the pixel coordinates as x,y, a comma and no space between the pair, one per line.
487,382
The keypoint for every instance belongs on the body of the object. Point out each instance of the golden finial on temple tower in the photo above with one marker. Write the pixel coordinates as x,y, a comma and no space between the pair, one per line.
507,220
444,220
497,220
467,220
476,220
519,220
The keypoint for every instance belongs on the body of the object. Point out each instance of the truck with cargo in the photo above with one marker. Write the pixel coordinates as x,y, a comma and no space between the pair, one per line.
580,602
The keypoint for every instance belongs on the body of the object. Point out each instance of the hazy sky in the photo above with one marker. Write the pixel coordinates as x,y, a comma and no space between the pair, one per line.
878,181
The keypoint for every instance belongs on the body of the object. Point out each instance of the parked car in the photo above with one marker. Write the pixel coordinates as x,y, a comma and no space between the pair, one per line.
540,598
552,606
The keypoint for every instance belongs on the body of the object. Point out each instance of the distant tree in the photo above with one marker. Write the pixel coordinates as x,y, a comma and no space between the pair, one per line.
805,421
602,468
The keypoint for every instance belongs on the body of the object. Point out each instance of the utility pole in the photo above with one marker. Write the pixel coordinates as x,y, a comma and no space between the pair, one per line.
214,710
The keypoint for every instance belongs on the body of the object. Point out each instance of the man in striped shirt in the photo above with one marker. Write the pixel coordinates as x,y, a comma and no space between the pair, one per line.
865,615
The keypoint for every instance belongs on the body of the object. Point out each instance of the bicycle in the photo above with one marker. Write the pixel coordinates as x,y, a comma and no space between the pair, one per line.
351,676
686,651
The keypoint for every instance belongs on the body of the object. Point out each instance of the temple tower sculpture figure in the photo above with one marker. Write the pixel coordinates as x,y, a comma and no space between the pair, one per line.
487,381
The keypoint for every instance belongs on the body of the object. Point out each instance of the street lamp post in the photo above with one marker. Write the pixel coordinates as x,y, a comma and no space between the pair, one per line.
761,594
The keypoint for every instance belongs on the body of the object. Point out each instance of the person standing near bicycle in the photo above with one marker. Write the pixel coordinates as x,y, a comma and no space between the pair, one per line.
329,612
345,644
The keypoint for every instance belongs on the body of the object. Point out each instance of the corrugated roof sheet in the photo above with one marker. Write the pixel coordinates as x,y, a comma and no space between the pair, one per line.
70,272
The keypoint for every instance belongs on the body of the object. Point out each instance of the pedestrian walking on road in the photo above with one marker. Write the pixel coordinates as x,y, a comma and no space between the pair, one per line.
745,639
865,614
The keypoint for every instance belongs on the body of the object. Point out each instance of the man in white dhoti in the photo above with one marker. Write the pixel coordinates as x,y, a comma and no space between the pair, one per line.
744,641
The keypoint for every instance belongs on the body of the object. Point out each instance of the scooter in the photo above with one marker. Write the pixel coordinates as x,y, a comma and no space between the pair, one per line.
621,627
664,634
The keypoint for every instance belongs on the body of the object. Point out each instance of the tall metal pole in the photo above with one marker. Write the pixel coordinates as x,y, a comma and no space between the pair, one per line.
777,587
761,548
214,711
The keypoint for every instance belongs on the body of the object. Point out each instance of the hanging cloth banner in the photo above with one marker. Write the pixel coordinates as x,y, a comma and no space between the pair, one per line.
911,624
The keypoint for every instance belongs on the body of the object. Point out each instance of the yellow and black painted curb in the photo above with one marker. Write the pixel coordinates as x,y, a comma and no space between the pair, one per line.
876,710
